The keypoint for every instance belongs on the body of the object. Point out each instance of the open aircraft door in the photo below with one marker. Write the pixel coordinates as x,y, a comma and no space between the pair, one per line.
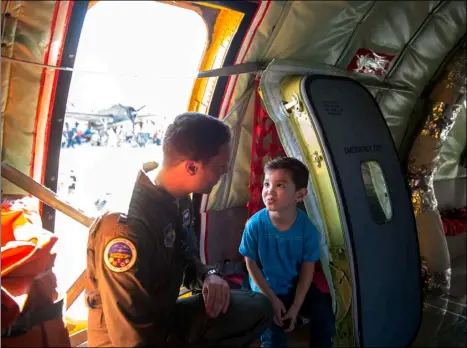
358,200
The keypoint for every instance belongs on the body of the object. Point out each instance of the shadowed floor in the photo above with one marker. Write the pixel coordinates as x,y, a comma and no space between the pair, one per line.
443,322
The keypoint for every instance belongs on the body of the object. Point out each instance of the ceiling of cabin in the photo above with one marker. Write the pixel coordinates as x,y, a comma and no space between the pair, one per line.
410,40
414,37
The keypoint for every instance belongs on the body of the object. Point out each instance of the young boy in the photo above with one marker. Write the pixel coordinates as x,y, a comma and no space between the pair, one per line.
281,247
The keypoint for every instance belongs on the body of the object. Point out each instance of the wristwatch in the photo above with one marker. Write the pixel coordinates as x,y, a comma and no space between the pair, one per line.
213,271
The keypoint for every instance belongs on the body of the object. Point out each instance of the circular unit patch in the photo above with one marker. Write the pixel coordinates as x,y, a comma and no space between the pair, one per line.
120,255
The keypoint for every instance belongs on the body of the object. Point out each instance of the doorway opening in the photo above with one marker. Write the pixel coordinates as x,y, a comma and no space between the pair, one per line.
134,72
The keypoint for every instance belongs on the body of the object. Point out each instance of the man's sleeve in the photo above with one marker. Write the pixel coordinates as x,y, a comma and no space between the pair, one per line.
127,285
311,251
249,243
194,268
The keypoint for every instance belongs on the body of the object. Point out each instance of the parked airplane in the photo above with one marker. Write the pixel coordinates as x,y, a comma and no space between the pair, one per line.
115,116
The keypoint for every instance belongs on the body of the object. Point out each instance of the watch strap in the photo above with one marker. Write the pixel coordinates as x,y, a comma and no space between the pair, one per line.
213,271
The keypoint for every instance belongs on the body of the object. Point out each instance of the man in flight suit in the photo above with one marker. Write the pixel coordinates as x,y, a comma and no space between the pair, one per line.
137,262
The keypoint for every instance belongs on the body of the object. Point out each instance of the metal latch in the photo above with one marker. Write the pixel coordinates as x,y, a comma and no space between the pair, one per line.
294,104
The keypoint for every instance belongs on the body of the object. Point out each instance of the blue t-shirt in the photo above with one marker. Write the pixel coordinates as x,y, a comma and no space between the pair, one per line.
279,254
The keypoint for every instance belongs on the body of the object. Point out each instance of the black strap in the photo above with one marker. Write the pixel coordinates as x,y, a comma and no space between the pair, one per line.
237,69
26,321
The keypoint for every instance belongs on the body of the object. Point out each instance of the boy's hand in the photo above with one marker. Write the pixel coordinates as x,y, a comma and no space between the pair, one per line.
279,310
292,316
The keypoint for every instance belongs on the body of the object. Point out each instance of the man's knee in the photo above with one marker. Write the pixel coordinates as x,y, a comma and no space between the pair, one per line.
255,307
248,316
263,308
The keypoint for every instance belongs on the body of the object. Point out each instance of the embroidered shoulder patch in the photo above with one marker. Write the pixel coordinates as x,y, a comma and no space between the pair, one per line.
169,236
120,255
186,218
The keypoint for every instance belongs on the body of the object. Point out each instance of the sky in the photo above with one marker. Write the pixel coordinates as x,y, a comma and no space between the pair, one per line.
137,53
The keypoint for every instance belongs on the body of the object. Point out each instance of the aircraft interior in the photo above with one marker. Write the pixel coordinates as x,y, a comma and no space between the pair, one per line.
370,95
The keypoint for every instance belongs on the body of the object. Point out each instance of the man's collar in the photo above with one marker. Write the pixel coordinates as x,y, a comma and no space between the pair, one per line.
147,180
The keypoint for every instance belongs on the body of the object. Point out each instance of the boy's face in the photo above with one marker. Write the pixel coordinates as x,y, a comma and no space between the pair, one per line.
279,192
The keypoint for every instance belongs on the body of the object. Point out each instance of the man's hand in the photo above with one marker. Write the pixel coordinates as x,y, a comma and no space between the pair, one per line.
216,294
279,310
292,316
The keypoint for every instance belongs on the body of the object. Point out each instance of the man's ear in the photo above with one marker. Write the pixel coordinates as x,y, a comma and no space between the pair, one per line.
301,194
191,167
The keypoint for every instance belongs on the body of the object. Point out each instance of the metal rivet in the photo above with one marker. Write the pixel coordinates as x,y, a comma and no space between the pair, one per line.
53,178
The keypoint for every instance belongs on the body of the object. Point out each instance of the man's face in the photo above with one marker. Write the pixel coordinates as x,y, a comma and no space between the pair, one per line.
279,191
209,174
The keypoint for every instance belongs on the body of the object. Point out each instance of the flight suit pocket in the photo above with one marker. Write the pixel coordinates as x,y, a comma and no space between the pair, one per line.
98,335
96,319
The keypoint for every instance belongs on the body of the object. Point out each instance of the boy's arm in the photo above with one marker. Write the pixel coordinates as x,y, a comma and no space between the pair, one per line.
258,278
262,284
304,282
249,249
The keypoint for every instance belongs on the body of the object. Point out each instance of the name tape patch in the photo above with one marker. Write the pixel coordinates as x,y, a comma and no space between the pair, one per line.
120,255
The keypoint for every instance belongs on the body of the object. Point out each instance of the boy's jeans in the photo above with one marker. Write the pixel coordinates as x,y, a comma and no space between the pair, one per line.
318,307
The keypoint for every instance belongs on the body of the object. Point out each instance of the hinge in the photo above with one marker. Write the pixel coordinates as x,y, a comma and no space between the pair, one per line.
317,158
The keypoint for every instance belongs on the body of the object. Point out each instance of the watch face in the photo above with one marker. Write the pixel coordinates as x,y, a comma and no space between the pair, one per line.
211,272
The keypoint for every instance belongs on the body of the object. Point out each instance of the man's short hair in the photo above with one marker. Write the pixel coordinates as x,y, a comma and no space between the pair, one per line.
298,171
194,136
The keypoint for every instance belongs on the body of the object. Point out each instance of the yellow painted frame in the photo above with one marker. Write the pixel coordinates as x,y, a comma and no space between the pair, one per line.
320,175
227,24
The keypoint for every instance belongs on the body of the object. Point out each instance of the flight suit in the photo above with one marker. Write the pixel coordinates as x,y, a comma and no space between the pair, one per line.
136,264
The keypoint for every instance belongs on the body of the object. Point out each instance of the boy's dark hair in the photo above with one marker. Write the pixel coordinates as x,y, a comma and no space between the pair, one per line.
297,170
194,136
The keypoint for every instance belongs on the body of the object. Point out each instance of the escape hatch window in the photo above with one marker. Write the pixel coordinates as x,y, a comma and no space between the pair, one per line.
376,192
